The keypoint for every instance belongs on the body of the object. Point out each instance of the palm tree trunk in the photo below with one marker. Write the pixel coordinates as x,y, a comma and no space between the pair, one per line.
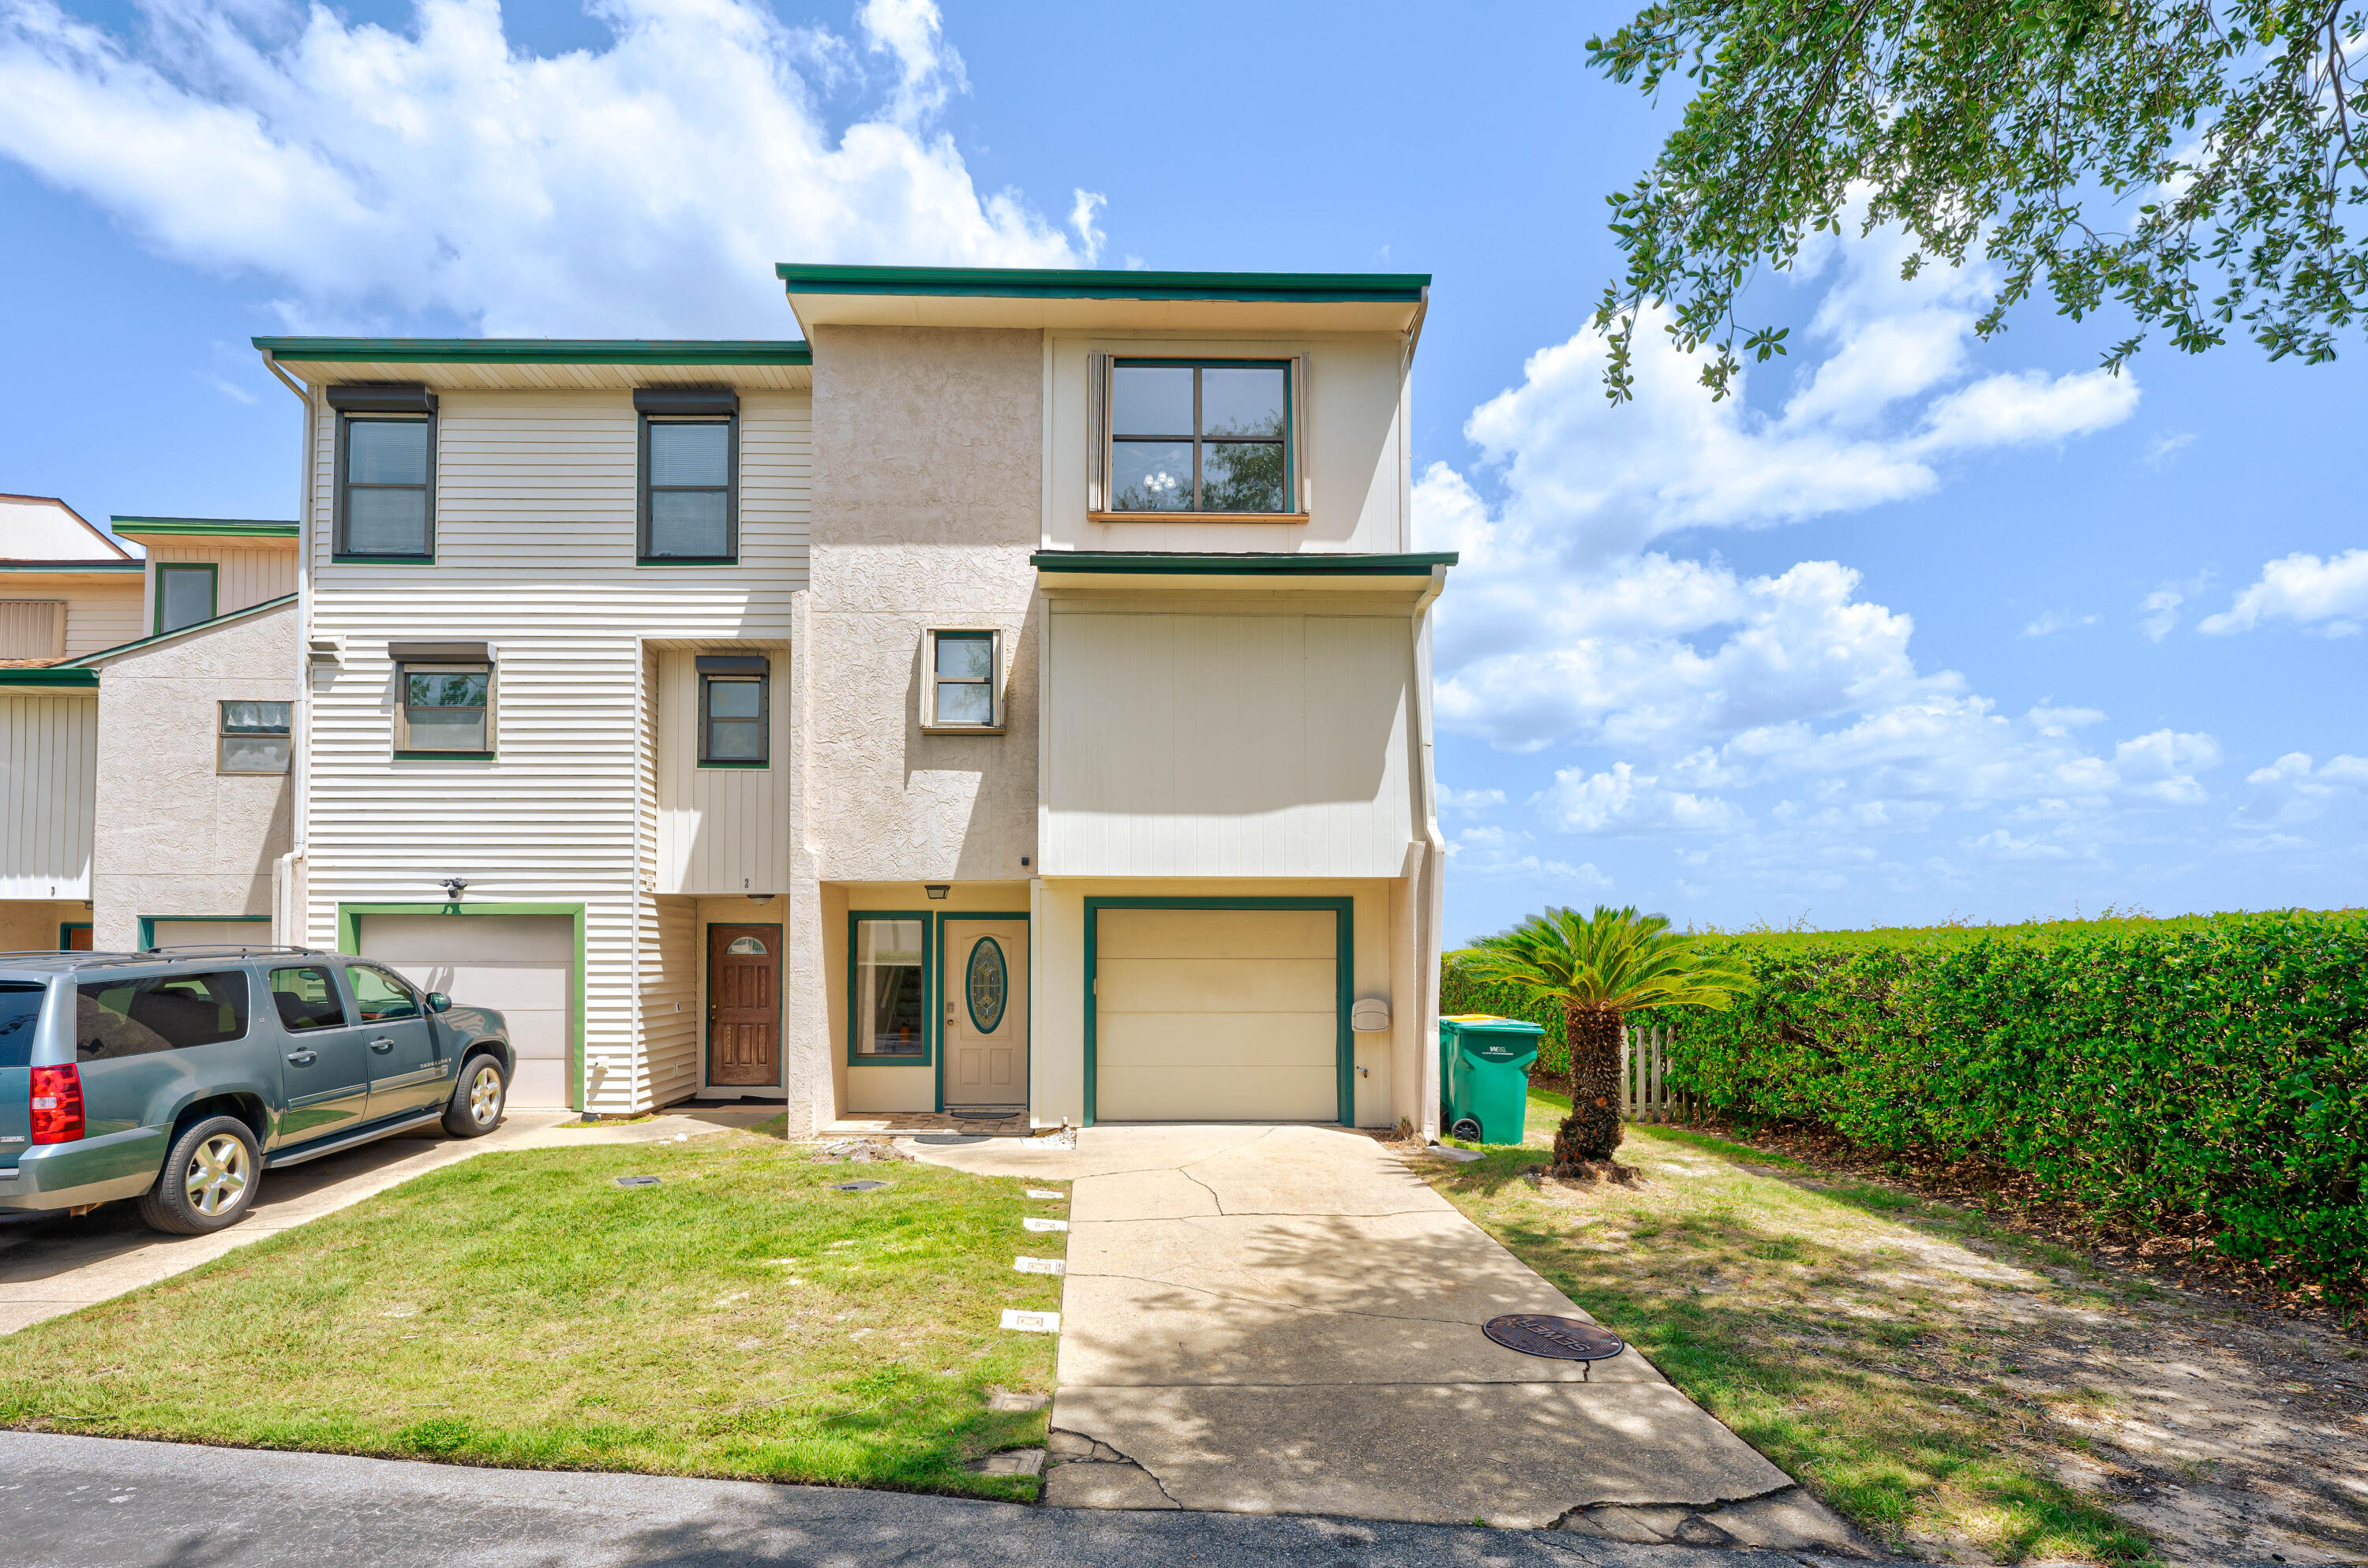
1592,1131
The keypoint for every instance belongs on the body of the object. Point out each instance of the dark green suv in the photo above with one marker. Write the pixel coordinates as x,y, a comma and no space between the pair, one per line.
178,1075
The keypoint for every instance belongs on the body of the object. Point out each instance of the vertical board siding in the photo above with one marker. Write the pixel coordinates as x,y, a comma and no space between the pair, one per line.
1225,745
721,830
49,778
32,628
243,574
670,994
535,554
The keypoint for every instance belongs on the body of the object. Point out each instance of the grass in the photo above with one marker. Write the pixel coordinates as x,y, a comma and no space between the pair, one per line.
1815,1320
521,1309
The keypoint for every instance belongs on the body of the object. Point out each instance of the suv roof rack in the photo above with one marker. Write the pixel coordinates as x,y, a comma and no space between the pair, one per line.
201,950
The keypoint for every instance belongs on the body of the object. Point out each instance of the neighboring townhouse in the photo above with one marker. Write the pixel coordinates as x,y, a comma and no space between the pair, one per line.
145,756
1013,698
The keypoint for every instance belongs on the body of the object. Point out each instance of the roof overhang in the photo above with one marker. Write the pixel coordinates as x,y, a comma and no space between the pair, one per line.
1191,302
549,364
1169,572
246,530
65,680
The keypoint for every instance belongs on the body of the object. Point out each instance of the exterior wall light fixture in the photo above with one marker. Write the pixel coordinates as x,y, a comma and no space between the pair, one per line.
937,890
454,886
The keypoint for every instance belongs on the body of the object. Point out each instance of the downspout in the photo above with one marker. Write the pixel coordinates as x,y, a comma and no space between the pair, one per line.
290,926
1429,895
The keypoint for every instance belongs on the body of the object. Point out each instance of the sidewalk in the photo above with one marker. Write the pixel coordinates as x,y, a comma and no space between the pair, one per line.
54,1266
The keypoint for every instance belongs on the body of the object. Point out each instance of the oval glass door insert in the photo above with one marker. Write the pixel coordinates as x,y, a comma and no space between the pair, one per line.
987,983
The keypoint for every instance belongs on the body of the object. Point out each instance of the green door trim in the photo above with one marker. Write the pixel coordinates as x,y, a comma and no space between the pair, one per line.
1344,962
148,924
349,941
936,1013
65,933
707,994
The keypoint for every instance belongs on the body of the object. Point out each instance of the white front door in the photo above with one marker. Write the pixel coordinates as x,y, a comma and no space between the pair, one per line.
985,993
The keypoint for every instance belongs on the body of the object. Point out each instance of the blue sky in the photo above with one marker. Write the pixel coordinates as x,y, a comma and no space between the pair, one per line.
1921,628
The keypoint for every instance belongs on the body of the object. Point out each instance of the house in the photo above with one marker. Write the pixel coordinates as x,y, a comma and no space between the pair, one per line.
1013,698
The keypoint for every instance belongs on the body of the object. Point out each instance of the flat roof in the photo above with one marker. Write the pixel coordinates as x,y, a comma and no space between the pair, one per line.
1090,298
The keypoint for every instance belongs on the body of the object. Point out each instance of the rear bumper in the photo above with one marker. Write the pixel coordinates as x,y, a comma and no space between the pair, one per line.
89,1170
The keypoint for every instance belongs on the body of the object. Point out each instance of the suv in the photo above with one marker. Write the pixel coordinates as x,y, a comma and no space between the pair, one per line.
178,1075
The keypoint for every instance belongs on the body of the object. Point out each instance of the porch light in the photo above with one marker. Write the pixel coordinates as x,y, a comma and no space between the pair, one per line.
937,890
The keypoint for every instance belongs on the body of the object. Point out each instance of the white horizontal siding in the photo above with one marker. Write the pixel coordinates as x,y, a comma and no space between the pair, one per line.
105,614
49,778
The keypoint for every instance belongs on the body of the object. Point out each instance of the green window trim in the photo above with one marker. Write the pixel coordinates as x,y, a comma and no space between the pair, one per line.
740,672
178,568
1345,960
147,924
445,755
350,918
929,1055
340,551
427,559
409,670
658,409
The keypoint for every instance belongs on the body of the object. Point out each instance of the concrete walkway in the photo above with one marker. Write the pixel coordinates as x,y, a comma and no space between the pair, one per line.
49,1267
1287,1320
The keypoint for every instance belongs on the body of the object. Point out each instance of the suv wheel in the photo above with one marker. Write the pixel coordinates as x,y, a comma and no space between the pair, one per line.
477,1098
209,1180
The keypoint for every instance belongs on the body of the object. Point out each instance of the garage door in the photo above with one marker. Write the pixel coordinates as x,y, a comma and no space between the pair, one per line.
1216,1015
199,931
523,964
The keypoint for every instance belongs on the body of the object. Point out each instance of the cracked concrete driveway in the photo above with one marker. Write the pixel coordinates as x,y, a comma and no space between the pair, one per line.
1287,1320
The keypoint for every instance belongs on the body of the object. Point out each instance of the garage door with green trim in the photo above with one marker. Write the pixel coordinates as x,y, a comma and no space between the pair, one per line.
522,964
1216,1015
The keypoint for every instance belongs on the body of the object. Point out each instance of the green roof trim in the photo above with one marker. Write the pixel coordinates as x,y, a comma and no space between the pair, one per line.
74,566
174,527
1197,563
532,351
1076,283
88,659
65,676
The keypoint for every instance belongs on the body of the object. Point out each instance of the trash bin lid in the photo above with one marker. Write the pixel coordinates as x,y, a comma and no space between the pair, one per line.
1487,1023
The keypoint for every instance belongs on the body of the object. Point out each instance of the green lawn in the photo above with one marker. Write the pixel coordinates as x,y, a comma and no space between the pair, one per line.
1812,1320
521,1309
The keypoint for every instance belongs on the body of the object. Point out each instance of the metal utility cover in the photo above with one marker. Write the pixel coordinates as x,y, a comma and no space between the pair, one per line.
1560,1339
856,1186
637,1181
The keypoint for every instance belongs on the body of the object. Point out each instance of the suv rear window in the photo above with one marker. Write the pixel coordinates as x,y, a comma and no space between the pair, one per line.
20,1011
161,1011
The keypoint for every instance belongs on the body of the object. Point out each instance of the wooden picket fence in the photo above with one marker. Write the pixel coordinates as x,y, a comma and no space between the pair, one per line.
1645,1093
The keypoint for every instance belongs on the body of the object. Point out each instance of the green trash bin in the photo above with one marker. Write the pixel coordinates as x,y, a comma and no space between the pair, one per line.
1484,1072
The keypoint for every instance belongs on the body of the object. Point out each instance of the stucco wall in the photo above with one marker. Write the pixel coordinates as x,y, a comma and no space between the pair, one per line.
928,500
172,836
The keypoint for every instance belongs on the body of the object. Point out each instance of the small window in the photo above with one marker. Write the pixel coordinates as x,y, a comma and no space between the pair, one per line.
736,712
137,1018
1200,436
307,999
963,692
386,471
380,996
445,709
185,595
252,737
746,946
690,475
20,1017
889,1004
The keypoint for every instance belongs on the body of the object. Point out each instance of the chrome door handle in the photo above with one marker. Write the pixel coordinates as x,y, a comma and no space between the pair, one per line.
381,1046
303,1058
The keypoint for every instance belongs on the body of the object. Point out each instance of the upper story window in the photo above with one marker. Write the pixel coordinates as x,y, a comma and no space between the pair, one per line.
252,737
444,700
185,594
1208,437
689,475
962,693
385,473
735,710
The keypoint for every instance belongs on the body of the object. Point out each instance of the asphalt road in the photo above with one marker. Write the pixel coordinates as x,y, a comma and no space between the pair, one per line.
70,1502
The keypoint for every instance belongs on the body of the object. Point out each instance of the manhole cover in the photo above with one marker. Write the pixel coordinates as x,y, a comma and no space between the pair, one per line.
1562,1339
637,1181
855,1186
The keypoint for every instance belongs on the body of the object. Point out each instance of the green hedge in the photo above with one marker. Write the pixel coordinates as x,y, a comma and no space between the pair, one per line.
2214,1065
1459,992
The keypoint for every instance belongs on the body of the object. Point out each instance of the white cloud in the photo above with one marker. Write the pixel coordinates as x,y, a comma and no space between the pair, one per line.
644,189
1623,801
2160,450
1081,219
1500,855
1470,803
2162,611
2293,789
2050,622
2329,595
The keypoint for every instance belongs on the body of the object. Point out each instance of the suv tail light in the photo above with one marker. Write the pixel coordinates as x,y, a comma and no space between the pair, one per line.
57,1104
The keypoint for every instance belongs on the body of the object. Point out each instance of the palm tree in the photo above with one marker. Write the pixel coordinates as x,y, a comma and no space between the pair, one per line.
1597,967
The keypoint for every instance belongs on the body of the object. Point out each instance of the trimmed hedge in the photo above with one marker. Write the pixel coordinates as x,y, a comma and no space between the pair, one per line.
2214,1065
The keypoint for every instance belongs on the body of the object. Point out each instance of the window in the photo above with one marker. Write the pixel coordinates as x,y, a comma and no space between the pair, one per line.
252,737
386,471
1208,437
735,711
20,1015
891,1008
380,996
690,474
444,699
307,999
963,691
135,1017
185,595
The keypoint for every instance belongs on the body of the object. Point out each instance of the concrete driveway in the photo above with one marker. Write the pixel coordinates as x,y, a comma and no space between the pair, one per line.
49,1267
1287,1320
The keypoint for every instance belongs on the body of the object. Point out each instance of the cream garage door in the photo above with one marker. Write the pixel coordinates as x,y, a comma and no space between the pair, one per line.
166,932
522,964
1216,1015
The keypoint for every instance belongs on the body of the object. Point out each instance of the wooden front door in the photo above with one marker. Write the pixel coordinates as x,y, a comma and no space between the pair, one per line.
744,1005
986,1012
